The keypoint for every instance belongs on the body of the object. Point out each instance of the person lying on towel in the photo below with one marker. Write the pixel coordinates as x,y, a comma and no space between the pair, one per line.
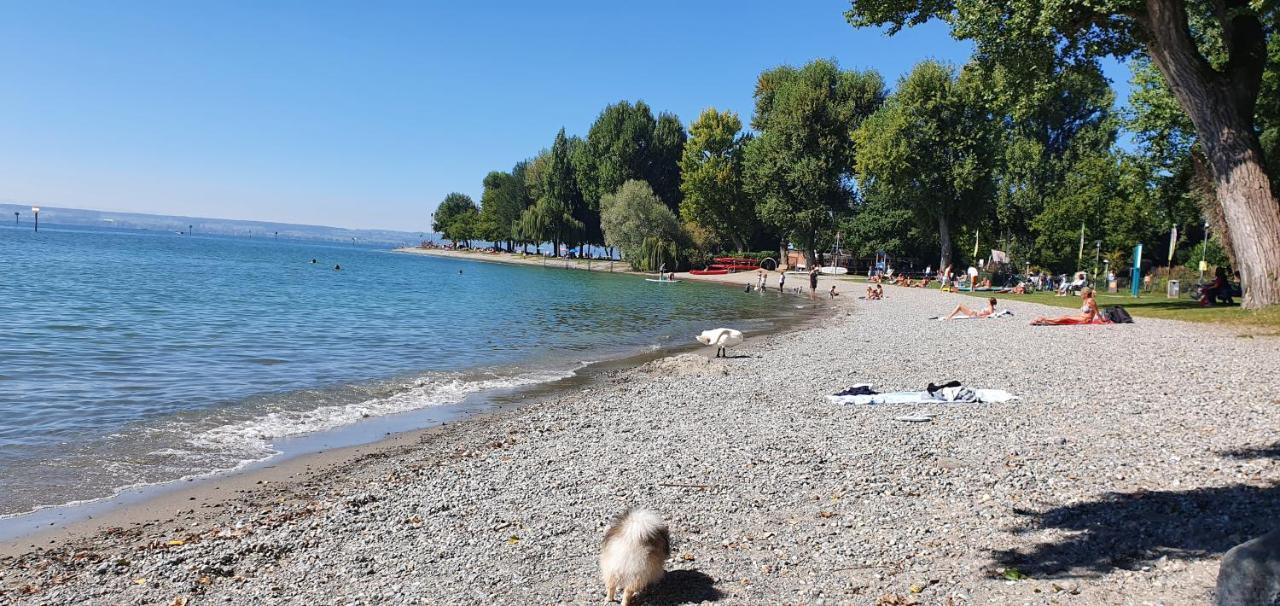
985,312
1088,313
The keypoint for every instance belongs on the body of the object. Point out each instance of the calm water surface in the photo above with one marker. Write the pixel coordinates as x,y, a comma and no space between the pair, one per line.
132,358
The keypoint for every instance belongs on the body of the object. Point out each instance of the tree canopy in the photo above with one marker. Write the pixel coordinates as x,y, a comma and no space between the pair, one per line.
637,222
456,218
798,168
1211,55
928,149
504,199
711,170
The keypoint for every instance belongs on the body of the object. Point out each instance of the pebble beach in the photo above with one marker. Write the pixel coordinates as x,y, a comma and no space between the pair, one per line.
1135,456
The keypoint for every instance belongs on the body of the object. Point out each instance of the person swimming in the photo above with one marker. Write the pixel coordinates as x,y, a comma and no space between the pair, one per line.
337,268
313,261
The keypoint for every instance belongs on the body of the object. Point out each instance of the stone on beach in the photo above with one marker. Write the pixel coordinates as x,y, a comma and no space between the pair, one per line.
1250,573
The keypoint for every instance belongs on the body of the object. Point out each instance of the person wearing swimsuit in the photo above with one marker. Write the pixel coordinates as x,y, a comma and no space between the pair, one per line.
962,310
1088,313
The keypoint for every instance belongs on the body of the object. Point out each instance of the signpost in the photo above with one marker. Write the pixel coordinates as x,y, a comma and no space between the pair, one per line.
1136,281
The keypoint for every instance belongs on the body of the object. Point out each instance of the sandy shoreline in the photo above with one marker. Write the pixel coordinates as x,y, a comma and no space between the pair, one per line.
1135,457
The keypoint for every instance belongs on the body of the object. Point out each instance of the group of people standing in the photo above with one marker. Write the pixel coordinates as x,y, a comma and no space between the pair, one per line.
762,282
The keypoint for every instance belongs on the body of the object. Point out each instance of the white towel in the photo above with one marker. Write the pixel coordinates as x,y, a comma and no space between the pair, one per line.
984,396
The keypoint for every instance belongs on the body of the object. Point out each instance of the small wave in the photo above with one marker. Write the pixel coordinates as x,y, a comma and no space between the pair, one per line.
251,438
67,327
266,361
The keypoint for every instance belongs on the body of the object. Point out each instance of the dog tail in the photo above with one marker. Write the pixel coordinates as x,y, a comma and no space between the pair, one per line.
636,545
641,527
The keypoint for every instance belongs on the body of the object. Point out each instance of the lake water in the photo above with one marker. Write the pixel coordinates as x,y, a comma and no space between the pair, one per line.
131,358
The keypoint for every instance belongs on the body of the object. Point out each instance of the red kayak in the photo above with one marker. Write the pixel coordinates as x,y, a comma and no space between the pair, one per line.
708,272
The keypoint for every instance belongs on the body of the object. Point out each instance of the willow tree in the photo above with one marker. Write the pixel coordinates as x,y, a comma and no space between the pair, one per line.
636,221
1219,91
548,220
928,149
799,167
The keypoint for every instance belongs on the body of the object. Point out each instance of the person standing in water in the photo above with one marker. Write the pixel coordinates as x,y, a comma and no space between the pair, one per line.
813,284
782,280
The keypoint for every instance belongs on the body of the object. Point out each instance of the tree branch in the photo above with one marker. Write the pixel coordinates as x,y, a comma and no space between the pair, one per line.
1247,56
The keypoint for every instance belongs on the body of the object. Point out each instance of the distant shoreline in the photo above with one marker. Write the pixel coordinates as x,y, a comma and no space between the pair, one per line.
617,267
741,278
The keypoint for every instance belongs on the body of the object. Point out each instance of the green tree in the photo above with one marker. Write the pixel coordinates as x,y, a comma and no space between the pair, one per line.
669,138
798,168
446,219
1212,55
554,217
928,150
501,205
881,226
548,220
636,221
533,170
1041,136
711,169
626,142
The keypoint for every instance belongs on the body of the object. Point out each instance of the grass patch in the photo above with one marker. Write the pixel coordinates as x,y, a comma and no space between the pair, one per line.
1155,305
1150,305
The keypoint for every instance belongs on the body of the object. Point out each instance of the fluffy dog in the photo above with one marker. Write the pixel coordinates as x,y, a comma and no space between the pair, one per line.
636,546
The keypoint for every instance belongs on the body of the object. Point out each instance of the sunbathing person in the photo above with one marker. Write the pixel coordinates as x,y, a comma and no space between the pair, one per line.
1088,313
962,310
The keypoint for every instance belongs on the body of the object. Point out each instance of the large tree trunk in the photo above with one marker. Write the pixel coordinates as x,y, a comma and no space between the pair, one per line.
1221,106
944,237
1202,185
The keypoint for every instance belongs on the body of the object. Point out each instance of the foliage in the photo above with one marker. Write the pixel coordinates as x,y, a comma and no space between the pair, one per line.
534,168
1220,53
626,142
548,220
669,139
501,205
711,167
798,168
456,218
880,226
636,221
928,149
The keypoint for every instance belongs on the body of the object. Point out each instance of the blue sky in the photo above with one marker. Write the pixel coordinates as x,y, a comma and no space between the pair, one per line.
366,114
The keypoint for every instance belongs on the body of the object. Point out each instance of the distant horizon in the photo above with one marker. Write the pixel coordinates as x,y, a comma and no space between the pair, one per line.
93,218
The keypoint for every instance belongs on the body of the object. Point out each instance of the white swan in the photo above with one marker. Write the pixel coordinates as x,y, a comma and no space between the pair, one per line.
722,339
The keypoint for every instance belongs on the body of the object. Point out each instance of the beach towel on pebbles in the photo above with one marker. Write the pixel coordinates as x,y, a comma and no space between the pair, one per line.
946,395
1004,313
